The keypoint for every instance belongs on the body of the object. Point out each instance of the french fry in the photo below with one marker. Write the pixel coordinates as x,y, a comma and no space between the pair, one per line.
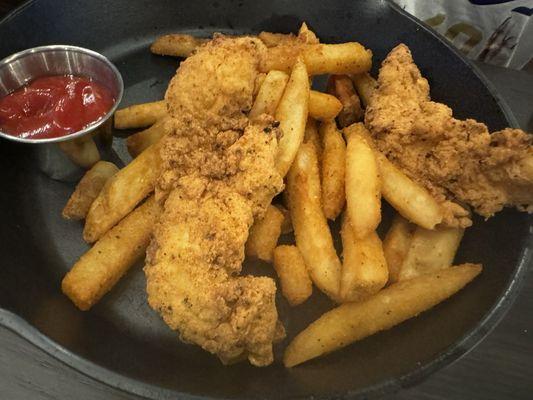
289,264
401,301
363,194
98,270
430,250
311,230
176,45
140,115
396,245
341,86
365,86
286,225
140,141
259,79
333,170
409,198
269,95
88,189
364,268
323,106
264,235
311,136
306,35
292,116
271,39
344,58
122,193
82,151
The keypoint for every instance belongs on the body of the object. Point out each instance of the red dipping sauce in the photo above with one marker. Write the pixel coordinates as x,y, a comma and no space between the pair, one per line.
54,106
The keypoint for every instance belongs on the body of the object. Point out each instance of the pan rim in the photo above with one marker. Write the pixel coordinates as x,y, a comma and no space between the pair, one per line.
453,353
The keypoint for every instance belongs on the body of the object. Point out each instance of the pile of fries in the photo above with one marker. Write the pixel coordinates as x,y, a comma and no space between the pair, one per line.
333,170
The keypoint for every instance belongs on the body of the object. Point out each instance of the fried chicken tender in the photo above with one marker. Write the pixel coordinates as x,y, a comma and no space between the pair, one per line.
218,176
457,161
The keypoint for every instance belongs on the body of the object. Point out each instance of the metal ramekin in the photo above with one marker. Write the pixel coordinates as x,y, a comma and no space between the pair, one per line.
21,68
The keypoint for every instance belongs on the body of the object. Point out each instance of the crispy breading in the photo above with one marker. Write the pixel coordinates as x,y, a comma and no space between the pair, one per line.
218,176
456,160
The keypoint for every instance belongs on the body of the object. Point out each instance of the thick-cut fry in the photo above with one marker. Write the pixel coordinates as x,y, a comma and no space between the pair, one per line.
409,198
323,106
122,193
363,195
88,189
269,95
344,58
176,45
271,39
289,264
140,115
264,234
341,86
82,151
286,225
364,269
396,245
311,136
333,170
140,141
311,230
97,271
292,116
351,322
365,86
430,250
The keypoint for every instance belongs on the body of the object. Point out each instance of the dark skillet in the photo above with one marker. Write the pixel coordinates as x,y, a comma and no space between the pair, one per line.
121,341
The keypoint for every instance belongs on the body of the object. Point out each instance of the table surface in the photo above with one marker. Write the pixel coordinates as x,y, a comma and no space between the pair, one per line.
500,367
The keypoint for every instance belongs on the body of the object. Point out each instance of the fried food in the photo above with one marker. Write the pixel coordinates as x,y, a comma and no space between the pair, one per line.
365,86
332,173
176,45
140,115
451,158
289,264
269,95
264,234
97,271
88,189
82,151
341,86
323,106
140,141
351,322
218,175
311,229
311,136
396,245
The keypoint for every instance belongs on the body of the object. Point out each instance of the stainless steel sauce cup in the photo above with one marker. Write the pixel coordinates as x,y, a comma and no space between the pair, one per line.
64,158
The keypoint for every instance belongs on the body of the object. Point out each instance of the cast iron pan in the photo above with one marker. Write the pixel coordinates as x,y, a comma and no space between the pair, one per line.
122,342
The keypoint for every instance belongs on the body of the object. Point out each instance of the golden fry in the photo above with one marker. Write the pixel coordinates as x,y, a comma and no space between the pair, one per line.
364,268
351,322
140,115
271,39
396,245
409,198
289,264
88,189
176,45
82,151
140,141
286,225
430,250
323,106
363,186
269,95
365,86
122,193
333,170
98,270
264,234
306,35
311,229
341,86
311,136
292,116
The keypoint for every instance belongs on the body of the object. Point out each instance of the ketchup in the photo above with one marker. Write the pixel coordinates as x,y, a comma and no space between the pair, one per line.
54,106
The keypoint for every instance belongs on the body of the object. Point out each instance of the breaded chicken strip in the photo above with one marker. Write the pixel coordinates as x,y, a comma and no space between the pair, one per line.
456,160
218,175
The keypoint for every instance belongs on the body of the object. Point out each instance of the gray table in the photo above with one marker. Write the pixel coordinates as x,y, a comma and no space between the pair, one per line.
499,368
